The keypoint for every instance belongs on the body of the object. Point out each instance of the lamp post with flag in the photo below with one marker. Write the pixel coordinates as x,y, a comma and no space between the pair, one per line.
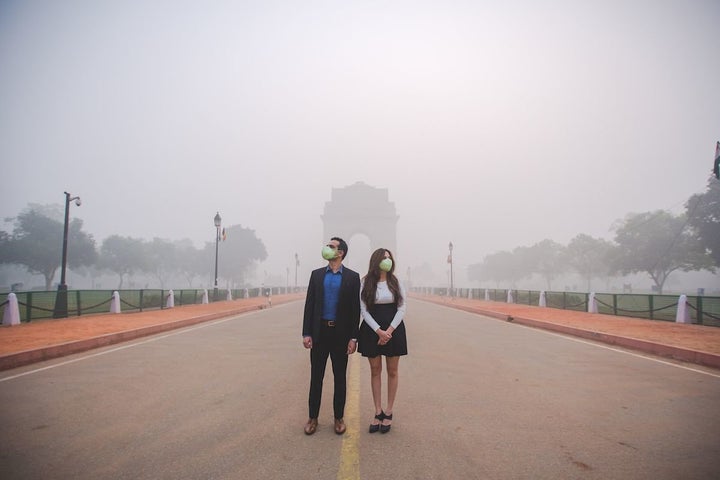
218,222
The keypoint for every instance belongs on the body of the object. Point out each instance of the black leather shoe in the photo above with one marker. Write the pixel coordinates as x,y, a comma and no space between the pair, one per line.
380,416
386,428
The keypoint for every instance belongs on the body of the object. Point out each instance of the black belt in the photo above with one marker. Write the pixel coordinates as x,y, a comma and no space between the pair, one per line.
328,323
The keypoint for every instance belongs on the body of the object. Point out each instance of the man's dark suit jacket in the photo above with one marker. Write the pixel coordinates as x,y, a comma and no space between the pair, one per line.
348,310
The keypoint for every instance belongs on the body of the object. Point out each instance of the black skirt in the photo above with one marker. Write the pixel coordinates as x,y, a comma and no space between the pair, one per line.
368,339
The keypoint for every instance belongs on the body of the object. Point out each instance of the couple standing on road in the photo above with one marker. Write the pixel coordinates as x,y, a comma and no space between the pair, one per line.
336,300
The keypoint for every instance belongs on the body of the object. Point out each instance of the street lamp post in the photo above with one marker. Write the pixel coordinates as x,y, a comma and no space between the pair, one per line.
218,222
297,262
61,310
450,261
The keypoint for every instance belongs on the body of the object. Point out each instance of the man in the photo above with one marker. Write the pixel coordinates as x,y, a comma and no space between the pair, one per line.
330,328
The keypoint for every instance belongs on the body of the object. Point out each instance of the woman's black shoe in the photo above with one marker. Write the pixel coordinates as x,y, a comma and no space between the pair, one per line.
380,416
386,428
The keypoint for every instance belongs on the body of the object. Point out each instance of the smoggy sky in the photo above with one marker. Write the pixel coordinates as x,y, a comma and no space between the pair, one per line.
492,124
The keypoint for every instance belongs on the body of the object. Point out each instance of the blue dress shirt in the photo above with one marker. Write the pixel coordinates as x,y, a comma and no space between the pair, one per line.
331,297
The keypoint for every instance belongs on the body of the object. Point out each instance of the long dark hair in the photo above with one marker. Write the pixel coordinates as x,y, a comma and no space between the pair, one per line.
373,277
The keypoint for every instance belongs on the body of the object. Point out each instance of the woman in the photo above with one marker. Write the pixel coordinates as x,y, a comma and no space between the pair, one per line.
382,332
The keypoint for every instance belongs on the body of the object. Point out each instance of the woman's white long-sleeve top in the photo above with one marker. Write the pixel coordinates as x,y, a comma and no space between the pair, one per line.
383,295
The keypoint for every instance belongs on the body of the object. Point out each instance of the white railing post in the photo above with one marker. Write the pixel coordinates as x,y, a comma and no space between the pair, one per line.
683,312
170,300
229,295
205,296
510,296
487,295
115,303
543,301
592,303
11,316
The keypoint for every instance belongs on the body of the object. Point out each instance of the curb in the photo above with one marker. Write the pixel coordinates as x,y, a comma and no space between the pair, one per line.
660,349
27,357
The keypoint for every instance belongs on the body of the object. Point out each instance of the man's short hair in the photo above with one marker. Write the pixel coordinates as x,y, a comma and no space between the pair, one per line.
343,246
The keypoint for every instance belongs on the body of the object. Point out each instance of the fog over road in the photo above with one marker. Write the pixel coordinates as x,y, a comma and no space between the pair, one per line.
478,398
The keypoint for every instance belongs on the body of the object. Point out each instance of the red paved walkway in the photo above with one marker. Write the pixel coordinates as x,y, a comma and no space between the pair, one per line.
692,343
45,339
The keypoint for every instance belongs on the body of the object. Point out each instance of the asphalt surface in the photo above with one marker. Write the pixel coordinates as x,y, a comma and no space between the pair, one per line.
478,398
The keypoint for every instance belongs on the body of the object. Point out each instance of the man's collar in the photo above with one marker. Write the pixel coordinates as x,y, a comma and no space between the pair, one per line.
328,269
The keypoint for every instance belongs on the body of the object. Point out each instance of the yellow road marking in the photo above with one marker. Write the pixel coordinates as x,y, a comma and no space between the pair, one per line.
350,453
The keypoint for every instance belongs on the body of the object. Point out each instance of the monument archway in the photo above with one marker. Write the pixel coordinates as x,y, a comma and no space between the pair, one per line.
361,209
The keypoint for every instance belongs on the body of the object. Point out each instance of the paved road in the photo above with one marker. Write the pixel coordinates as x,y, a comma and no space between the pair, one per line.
479,398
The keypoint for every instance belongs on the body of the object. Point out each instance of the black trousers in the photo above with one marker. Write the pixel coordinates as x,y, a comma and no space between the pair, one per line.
330,345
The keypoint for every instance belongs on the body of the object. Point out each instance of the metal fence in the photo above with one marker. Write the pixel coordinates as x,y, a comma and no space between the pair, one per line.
703,310
35,305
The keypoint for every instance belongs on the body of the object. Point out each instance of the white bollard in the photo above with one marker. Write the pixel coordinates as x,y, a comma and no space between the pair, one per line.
592,303
247,293
115,303
510,297
543,300
170,300
487,295
469,292
205,297
11,316
683,312
229,295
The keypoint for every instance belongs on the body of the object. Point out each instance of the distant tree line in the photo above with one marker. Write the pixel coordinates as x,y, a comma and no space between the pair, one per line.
36,244
656,243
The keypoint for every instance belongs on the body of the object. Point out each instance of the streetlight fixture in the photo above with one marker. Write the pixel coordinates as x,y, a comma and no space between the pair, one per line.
218,221
61,310
450,261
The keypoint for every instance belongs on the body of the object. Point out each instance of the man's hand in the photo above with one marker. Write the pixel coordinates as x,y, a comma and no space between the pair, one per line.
307,342
352,346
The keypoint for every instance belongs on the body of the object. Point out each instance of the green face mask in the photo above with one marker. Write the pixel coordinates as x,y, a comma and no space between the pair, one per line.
386,265
328,253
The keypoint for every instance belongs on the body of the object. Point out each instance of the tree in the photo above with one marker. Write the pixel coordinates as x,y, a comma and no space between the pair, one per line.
703,212
191,262
590,257
122,255
500,267
658,243
237,253
36,243
160,259
545,259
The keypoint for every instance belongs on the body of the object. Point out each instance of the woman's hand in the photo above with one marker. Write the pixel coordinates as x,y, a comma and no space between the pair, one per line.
383,336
